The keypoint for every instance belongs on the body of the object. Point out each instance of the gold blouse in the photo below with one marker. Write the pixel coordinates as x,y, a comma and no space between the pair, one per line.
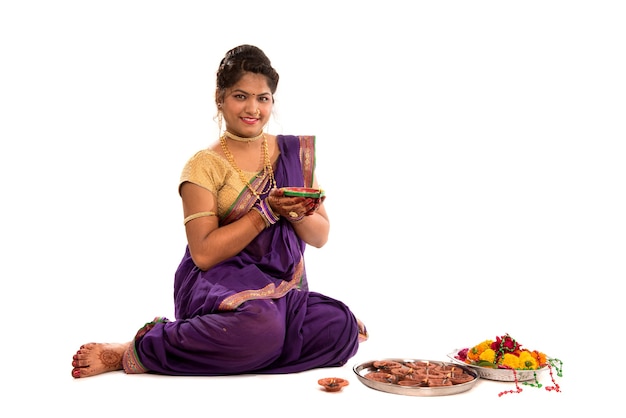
212,172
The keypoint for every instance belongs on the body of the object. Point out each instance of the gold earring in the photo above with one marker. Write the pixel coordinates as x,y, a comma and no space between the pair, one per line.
220,119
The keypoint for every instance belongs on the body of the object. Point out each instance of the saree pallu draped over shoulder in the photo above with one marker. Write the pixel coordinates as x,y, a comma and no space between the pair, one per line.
251,313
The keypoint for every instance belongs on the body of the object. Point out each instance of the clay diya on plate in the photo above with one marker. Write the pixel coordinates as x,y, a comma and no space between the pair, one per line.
333,384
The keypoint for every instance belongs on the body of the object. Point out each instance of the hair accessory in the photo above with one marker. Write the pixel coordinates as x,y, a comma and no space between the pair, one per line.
242,138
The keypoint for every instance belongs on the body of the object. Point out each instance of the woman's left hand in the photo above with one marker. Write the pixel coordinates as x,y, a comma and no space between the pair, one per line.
293,207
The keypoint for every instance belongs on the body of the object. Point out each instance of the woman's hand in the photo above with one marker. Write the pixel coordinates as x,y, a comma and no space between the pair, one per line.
293,208
296,209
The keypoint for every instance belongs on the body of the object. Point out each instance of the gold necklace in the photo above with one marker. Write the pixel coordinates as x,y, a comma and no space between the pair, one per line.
267,167
243,139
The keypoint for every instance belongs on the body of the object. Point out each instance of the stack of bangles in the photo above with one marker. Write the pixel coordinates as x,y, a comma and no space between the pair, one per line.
270,217
266,212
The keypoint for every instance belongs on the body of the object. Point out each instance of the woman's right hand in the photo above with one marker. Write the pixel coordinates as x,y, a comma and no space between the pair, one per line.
292,207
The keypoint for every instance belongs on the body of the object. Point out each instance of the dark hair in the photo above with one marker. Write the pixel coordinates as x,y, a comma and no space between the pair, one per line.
242,59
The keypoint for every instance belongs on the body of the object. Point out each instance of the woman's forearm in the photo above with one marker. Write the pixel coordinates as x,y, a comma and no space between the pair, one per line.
226,241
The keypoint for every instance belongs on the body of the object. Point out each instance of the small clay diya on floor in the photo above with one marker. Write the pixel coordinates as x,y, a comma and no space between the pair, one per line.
333,384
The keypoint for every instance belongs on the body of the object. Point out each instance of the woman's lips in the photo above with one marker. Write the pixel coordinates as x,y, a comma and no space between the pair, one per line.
250,121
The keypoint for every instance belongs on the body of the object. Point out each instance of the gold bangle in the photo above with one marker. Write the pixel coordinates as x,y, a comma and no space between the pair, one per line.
197,215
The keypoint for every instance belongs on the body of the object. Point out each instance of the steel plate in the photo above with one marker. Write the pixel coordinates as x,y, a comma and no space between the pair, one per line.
364,368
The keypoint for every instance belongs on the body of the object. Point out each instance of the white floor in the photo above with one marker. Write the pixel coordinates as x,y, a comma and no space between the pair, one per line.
472,153
41,384
117,394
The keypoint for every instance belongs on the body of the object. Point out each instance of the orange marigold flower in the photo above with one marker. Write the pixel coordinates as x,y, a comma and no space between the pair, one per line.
475,352
540,357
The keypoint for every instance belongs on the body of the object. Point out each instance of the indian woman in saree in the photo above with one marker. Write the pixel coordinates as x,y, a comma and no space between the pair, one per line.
241,295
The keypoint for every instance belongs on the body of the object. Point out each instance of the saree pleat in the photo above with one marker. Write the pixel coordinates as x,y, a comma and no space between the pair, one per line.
252,313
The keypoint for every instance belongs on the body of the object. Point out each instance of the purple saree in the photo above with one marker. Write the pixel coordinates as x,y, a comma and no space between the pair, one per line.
252,313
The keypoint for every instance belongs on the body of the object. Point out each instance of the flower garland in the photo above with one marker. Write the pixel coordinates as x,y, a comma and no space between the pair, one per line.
506,353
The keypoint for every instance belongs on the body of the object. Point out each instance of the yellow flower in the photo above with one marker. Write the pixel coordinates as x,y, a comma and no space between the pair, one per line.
485,345
488,355
527,361
510,360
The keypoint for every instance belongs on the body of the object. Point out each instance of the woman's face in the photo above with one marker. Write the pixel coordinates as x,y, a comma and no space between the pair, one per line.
247,105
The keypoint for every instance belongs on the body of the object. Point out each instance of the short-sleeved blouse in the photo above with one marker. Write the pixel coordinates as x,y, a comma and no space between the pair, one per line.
212,172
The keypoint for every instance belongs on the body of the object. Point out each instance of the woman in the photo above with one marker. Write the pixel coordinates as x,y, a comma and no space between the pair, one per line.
242,302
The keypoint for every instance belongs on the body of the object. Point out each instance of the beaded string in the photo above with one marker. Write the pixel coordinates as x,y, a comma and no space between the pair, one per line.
559,368
535,384
552,363
517,387
559,372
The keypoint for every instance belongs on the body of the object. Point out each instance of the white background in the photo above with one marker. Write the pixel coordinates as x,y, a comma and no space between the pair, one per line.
472,154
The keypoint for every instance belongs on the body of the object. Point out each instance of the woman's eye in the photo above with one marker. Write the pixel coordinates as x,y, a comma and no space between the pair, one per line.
264,99
240,97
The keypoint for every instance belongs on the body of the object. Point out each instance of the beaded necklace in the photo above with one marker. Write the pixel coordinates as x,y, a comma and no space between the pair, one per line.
267,167
243,139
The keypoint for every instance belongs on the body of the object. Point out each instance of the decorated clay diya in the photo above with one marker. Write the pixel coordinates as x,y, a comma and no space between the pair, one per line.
434,382
333,384
383,377
303,192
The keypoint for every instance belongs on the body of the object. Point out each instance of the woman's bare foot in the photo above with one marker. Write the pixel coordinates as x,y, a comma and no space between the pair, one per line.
95,358
363,335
